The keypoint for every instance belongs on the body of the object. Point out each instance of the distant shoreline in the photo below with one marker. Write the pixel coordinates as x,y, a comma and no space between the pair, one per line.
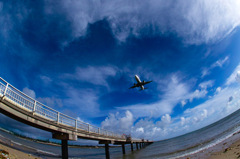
52,143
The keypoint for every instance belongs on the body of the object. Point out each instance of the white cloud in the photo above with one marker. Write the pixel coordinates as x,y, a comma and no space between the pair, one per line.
218,63
205,72
198,94
51,101
206,84
196,22
218,90
234,76
183,120
117,123
238,76
29,92
218,104
141,130
165,120
83,102
45,79
95,75
183,103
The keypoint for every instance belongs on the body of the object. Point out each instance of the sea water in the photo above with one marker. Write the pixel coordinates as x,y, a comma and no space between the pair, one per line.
171,148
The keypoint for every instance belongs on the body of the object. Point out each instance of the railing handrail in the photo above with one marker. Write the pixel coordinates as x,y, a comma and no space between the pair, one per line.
46,108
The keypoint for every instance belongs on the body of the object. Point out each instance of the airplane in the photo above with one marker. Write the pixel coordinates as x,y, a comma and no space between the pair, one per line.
139,83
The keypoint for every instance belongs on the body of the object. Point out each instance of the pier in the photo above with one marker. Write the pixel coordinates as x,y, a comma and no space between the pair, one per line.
25,109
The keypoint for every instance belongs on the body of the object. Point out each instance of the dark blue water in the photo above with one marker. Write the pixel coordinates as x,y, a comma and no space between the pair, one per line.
171,148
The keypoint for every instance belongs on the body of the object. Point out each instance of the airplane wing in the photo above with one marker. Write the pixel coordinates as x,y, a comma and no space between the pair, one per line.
147,82
133,87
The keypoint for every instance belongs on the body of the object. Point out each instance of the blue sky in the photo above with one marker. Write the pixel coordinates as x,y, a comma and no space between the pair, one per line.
80,58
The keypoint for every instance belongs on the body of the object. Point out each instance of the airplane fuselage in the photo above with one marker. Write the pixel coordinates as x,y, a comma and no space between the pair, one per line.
139,83
137,79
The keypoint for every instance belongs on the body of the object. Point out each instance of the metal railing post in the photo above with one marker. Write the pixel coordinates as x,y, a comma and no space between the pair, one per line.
34,106
88,128
57,117
5,91
76,124
98,130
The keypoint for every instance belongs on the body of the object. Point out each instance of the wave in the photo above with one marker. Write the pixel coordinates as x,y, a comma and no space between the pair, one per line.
46,152
210,144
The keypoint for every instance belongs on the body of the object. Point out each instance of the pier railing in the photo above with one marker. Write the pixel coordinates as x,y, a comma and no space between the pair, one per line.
32,105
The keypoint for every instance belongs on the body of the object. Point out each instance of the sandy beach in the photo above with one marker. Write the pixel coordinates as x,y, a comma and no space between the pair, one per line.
233,151
15,154
227,149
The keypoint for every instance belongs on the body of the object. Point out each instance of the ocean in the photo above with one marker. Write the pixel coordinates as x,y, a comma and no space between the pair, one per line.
171,148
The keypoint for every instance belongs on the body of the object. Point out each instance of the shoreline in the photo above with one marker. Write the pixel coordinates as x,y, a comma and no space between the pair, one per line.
229,148
13,153
50,143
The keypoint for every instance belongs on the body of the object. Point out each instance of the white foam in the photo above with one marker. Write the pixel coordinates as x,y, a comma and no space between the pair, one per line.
16,143
211,144
46,152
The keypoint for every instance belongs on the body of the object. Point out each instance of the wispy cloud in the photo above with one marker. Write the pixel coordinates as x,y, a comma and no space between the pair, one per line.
84,103
29,92
234,76
218,63
51,102
94,75
45,79
196,22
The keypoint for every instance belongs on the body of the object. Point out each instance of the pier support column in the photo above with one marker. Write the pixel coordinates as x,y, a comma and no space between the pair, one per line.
106,142
64,149
107,151
64,138
140,145
123,148
131,146
137,145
